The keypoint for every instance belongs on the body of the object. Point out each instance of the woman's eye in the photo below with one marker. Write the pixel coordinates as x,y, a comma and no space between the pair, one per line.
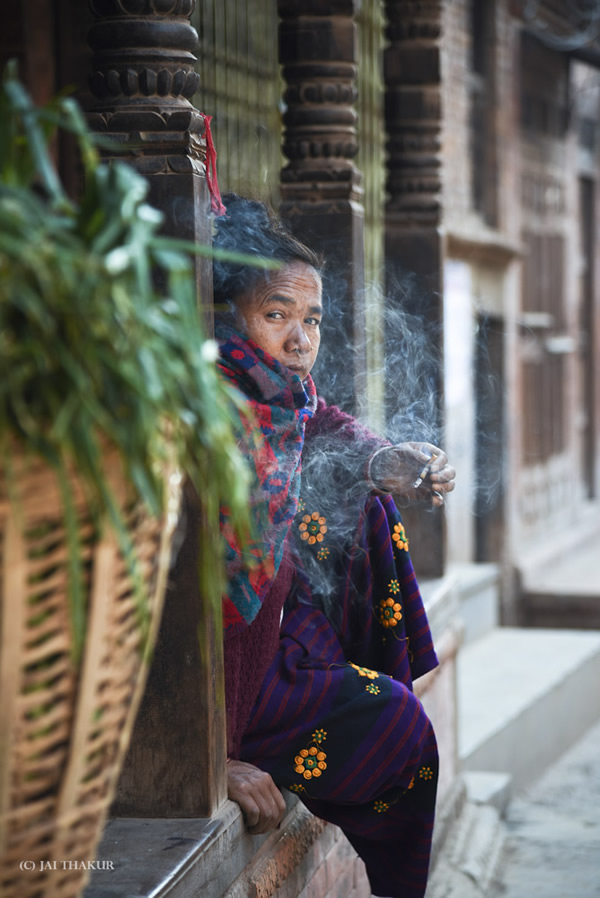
274,315
315,322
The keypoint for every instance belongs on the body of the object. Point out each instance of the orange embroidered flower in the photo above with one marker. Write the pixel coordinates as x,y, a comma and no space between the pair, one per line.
390,612
426,773
313,528
399,537
372,688
296,787
319,736
365,671
394,587
381,806
310,762
323,553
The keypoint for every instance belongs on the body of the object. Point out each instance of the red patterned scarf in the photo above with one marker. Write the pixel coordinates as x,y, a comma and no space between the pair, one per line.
281,404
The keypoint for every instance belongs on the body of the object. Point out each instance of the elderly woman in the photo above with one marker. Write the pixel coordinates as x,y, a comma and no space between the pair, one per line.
325,630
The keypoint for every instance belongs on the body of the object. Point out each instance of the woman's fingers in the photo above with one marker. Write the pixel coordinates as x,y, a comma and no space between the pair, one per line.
437,475
443,479
441,482
435,456
260,800
425,455
271,810
417,471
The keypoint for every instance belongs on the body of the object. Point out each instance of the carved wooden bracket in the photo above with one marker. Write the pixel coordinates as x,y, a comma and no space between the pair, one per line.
143,77
318,48
413,109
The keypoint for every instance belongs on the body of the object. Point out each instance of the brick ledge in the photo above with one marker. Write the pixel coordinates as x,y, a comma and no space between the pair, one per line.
156,858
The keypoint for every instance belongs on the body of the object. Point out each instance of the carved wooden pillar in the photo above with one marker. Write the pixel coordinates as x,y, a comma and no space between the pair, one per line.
142,79
321,197
414,252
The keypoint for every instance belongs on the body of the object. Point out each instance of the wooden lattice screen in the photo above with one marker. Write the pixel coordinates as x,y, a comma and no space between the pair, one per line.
543,344
240,86
545,340
371,162
484,173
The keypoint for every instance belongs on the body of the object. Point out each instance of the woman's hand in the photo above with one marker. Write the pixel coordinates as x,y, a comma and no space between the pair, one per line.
397,469
259,798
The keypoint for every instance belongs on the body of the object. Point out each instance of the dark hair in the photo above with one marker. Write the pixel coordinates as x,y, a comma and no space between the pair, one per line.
252,227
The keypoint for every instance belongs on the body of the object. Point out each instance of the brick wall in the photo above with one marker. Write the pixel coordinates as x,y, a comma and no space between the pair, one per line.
455,52
500,51
330,870
305,858
507,117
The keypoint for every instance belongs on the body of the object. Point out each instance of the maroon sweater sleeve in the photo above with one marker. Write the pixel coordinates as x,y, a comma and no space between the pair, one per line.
249,654
329,420
337,449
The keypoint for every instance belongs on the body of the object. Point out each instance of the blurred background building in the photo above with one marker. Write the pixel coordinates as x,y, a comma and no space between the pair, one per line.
444,155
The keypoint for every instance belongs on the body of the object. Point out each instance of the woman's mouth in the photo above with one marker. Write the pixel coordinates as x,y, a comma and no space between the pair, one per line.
297,369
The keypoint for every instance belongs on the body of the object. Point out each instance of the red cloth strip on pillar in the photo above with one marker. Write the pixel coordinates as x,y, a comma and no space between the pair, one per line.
212,181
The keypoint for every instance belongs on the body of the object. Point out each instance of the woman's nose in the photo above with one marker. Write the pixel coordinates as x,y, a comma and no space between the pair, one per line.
298,339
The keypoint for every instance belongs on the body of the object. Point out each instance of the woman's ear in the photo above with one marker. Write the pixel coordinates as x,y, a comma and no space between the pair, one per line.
236,311
226,313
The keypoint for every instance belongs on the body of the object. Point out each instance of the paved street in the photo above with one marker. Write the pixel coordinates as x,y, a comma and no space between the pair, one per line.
553,846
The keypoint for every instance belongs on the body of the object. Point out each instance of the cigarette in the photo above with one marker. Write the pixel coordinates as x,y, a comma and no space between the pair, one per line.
424,472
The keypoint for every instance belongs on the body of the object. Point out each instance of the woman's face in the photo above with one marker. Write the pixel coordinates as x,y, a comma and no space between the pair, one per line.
282,313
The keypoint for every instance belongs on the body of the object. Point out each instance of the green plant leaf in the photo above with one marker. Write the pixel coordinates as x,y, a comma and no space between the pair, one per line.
93,352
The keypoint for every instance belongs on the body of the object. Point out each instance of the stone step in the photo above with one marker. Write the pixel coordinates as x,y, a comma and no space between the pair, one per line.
524,697
472,852
477,587
552,844
565,589
487,787
552,608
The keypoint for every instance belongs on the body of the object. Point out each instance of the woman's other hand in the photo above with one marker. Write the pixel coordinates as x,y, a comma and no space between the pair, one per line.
260,800
396,470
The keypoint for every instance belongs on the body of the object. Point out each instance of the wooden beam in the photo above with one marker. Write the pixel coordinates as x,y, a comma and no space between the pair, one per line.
413,243
142,80
321,196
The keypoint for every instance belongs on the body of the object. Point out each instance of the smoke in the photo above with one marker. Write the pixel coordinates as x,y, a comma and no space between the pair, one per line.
406,376
413,366
401,335
402,354
580,23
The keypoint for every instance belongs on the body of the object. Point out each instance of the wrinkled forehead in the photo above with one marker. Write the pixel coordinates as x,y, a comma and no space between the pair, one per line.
295,280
